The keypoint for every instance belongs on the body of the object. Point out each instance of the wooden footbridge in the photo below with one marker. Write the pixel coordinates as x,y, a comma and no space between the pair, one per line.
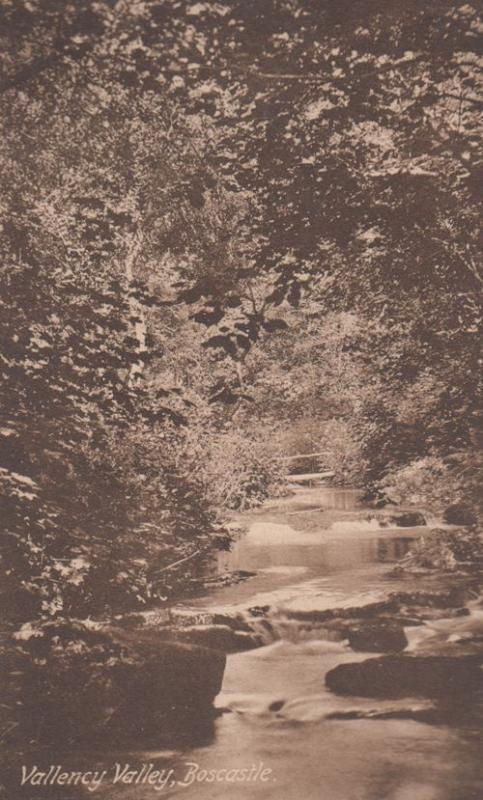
308,478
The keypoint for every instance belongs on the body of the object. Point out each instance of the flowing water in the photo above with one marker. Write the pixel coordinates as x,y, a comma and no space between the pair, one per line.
276,718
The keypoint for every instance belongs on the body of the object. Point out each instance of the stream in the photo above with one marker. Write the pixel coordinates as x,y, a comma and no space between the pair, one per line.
276,718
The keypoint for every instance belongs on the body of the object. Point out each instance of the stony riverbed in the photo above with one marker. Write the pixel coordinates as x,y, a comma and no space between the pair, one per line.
343,679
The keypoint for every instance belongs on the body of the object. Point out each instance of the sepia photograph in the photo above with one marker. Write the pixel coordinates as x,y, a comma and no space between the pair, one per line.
241,424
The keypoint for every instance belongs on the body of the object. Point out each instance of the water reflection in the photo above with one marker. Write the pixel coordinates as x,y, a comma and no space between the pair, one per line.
308,551
338,499
278,710
390,550
318,565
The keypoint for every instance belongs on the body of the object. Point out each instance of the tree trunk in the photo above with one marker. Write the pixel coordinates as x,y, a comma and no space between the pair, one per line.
136,310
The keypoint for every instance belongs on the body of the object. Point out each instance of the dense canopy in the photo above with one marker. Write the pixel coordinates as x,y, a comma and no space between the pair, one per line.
200,198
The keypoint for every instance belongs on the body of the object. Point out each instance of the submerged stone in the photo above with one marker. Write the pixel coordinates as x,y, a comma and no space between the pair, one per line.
277,705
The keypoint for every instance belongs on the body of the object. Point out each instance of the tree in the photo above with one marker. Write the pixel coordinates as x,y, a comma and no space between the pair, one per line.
225,161
83,217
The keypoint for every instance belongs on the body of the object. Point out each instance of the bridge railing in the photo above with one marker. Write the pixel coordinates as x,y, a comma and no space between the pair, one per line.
309,469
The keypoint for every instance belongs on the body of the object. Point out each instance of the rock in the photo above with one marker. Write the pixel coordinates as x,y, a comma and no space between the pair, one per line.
462,644
155,617
431,714
433,614
408,519
384,634
259,611
469,643
130,620
182,616
403,676
460,514
182,674
409,619
216,637
378,627
356,612
456,597
237,623
377,637
266,627
132,687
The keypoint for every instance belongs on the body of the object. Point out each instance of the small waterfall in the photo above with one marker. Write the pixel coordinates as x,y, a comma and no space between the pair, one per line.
281,626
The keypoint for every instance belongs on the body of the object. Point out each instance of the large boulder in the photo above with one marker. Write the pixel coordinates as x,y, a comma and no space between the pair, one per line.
405,676
170,673
114,684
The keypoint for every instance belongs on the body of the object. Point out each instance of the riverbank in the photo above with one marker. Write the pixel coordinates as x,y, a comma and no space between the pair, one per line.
329,667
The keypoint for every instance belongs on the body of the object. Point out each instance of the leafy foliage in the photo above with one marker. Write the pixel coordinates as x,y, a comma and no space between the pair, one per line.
242,469
457,551
227,169
81,221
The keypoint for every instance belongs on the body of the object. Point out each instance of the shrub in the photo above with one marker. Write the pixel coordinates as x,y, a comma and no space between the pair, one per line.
242,469
454,551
